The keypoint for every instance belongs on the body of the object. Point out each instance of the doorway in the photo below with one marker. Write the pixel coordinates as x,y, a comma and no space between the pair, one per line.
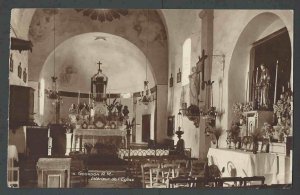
146,121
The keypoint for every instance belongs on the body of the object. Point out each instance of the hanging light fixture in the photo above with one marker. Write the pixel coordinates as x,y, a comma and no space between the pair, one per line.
53,93
146,94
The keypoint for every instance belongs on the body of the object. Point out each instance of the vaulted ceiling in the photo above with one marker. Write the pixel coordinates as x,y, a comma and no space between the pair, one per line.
143,28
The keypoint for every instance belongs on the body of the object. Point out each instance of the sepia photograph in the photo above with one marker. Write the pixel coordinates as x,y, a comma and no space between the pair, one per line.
150,98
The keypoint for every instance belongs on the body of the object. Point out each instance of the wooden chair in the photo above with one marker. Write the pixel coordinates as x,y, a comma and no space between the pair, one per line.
229,182
13,174
181,163
248,181
159,177
197,168
178,182
145,168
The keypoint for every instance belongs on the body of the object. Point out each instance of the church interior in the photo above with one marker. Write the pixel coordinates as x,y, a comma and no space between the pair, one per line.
150,98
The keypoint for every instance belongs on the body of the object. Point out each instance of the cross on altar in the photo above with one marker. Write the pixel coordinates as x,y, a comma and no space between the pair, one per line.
99,63
200,67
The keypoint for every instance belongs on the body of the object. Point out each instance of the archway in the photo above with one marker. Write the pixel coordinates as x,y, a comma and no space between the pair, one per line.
258,27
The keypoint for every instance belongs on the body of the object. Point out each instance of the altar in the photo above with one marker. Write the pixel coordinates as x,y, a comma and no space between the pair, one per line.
244,164
81,137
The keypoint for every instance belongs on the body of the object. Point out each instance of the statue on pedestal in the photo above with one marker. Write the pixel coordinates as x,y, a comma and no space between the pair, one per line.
263,87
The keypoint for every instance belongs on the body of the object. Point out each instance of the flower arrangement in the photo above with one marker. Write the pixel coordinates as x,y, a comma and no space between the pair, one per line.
217,132
283,109
256,136
233,134
268,131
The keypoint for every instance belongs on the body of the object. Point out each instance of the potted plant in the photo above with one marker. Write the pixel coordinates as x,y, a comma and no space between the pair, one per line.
217,133
239,112
233,134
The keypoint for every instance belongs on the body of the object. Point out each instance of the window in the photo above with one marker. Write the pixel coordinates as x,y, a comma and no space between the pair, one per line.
186,61
42,91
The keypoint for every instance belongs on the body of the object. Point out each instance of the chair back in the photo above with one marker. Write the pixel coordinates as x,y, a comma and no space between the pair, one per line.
145,168
159,177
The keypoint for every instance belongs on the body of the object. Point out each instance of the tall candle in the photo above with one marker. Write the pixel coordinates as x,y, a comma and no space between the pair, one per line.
247,84
212,98
78,97
282,89
275,91
256,76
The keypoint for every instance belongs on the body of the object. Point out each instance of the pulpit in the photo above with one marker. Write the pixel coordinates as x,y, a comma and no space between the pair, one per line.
53,172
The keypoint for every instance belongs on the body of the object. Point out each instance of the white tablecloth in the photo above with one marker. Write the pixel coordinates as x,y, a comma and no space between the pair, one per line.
247,164
12,152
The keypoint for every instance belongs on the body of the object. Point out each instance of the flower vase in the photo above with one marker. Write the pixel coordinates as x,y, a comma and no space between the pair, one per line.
255,147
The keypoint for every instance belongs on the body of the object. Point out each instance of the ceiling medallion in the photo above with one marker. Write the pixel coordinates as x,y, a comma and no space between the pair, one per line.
103,15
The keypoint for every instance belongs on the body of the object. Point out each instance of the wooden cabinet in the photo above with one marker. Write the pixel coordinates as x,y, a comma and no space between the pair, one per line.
21,104
37,141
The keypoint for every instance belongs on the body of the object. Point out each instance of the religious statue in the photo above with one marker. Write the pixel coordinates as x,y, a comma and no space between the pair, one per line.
264,87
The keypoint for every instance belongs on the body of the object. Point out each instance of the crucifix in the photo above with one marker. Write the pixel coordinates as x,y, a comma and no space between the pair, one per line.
99,63
201,64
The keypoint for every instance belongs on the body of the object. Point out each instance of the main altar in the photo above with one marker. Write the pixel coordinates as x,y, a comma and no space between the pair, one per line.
100,123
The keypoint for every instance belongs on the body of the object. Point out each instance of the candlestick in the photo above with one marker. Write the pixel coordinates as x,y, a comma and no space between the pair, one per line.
282,89
212,98
256,76
247,84
275,91
78,97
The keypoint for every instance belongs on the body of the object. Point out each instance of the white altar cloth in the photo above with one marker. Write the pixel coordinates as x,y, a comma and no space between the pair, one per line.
81,136
247,164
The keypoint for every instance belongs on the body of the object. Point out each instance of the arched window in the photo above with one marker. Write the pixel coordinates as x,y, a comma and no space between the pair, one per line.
186,61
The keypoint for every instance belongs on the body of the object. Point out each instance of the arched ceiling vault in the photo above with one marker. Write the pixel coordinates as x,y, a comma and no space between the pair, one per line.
134,27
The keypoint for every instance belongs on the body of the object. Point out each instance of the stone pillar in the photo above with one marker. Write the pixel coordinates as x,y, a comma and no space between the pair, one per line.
206,45
160,128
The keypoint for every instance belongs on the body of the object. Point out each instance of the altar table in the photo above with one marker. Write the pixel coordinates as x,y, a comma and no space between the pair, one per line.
93,136
246,164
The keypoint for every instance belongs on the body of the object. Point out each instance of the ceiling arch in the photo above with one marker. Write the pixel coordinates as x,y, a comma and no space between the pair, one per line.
149,36
122,62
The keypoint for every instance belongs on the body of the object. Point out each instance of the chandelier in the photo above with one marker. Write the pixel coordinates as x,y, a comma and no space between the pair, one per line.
103,15
53,93
146,94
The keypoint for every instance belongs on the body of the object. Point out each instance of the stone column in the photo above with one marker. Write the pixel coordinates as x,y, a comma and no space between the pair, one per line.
207,45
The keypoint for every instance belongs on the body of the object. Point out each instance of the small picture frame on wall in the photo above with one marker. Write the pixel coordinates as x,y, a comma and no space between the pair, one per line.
171,81
11,63
19,70
179,76
24,75
171,125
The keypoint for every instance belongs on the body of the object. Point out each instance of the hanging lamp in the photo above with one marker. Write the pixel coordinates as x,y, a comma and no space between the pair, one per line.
146,94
